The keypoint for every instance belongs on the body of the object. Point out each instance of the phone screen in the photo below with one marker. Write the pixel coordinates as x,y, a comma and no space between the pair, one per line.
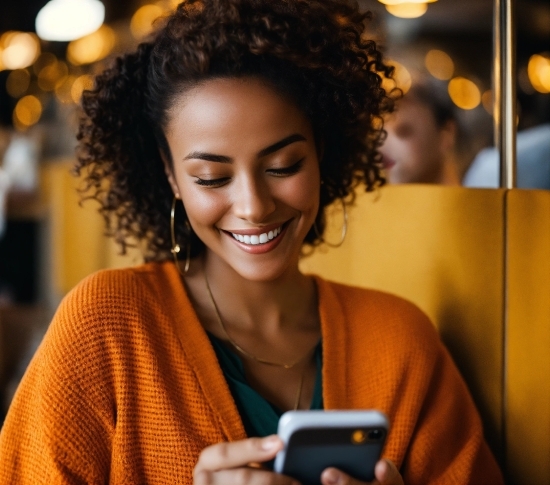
353,450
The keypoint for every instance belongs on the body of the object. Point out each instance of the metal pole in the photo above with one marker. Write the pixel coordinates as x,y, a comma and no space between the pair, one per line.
504,89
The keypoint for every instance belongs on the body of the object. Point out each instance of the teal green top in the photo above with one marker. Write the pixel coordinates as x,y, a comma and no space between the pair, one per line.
260,417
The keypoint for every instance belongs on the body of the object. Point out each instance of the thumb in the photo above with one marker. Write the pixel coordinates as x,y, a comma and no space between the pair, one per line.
386,473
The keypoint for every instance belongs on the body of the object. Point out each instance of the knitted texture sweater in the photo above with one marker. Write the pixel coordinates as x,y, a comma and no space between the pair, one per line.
126,388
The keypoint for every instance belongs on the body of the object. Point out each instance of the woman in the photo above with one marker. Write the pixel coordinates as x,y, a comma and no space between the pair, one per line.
221,142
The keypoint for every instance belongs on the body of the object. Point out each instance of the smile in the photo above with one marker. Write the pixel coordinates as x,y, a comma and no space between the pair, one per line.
259,238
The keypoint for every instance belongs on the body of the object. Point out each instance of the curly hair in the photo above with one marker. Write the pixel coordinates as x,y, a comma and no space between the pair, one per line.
313,51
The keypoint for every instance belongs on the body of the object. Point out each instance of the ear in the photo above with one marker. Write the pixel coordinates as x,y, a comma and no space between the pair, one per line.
168,170
320,147
448,136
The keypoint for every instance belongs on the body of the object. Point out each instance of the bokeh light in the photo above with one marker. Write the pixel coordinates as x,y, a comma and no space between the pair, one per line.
408,10
19,49
63,91
45,59
142,22
65,20
439,64
401,78
81,84
538,71
464,93
93,47
399,2
27,111
52,75
18,82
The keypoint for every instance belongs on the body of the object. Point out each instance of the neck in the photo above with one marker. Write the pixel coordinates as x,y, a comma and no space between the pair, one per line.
264,306
449,173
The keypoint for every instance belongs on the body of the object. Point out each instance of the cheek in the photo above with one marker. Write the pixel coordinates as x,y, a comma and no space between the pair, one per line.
302,192
203,207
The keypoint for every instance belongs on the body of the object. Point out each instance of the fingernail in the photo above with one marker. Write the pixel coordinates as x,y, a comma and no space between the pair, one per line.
331,477
270,443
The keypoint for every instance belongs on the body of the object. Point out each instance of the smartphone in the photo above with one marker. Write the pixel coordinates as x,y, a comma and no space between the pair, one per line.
351,441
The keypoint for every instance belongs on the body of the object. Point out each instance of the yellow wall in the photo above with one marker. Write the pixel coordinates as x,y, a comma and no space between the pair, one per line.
528,337
77,244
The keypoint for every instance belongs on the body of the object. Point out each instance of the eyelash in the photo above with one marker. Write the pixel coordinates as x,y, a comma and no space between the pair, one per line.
278,172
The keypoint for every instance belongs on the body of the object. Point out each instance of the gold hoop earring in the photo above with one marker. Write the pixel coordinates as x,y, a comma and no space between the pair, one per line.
344,229
176,248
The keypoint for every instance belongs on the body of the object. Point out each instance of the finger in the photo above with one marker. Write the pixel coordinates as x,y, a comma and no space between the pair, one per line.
241,476
386,473
238,453
333,476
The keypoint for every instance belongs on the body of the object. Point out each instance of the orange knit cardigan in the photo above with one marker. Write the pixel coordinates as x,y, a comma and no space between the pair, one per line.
126,389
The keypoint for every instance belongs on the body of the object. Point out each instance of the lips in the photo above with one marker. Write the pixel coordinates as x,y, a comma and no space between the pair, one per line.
260,240
388,162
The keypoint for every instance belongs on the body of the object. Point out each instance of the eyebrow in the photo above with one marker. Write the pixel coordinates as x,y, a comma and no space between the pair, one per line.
210,157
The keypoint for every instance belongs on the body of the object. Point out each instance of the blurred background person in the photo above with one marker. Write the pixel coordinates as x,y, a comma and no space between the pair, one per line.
533,162
422,143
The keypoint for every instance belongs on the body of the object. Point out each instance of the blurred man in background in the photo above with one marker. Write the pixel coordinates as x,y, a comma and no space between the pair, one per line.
422,138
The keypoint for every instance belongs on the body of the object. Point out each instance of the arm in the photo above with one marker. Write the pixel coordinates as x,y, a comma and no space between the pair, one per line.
58,427
447,446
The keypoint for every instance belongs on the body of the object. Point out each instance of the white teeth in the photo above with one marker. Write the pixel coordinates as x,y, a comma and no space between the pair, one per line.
258,239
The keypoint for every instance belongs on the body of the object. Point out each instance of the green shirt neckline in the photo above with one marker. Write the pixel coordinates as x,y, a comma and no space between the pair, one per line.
259,416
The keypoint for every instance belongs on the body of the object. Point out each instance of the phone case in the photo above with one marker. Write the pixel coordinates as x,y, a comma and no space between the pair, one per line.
351,441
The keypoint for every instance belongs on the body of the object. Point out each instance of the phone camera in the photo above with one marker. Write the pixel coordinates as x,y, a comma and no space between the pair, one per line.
358,437
375,434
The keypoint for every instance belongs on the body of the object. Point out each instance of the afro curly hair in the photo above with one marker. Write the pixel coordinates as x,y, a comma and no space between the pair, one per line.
312,51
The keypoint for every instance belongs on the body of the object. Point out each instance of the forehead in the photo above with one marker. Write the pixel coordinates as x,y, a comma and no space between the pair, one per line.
247,110
411,110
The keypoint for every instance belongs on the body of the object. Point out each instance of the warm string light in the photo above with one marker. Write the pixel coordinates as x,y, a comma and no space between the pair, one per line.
65,20
92,47
439,64
464,93
538,71
408,9
18,50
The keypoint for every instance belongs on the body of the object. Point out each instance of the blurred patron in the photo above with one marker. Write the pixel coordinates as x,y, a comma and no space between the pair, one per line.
533,162
422,138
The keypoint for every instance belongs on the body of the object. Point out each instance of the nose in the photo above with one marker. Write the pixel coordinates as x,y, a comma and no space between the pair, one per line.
253,201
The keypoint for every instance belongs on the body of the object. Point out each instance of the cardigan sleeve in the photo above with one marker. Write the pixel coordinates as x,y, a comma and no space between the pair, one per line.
59,427
447,445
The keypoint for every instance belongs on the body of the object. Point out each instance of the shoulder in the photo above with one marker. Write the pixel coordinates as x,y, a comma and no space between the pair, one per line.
364,305
109,306
116,290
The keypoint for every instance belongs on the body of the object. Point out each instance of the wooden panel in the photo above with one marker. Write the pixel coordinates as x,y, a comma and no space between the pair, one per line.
528,337
441,248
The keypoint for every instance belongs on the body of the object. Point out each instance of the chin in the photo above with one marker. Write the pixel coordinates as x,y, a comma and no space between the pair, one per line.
265,272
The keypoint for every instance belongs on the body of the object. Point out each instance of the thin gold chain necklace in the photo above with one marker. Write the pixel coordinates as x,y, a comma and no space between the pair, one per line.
252,356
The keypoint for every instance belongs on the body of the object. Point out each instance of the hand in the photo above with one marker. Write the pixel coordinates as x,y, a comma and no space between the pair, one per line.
385,473
237,463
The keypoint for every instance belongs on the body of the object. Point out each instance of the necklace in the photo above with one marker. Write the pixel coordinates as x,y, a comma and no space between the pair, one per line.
252,356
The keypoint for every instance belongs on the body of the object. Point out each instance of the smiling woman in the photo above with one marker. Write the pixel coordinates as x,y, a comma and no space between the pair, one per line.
245,164
227,136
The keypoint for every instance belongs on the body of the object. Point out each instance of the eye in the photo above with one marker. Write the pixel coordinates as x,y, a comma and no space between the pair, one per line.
211,182
281,172
405,130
